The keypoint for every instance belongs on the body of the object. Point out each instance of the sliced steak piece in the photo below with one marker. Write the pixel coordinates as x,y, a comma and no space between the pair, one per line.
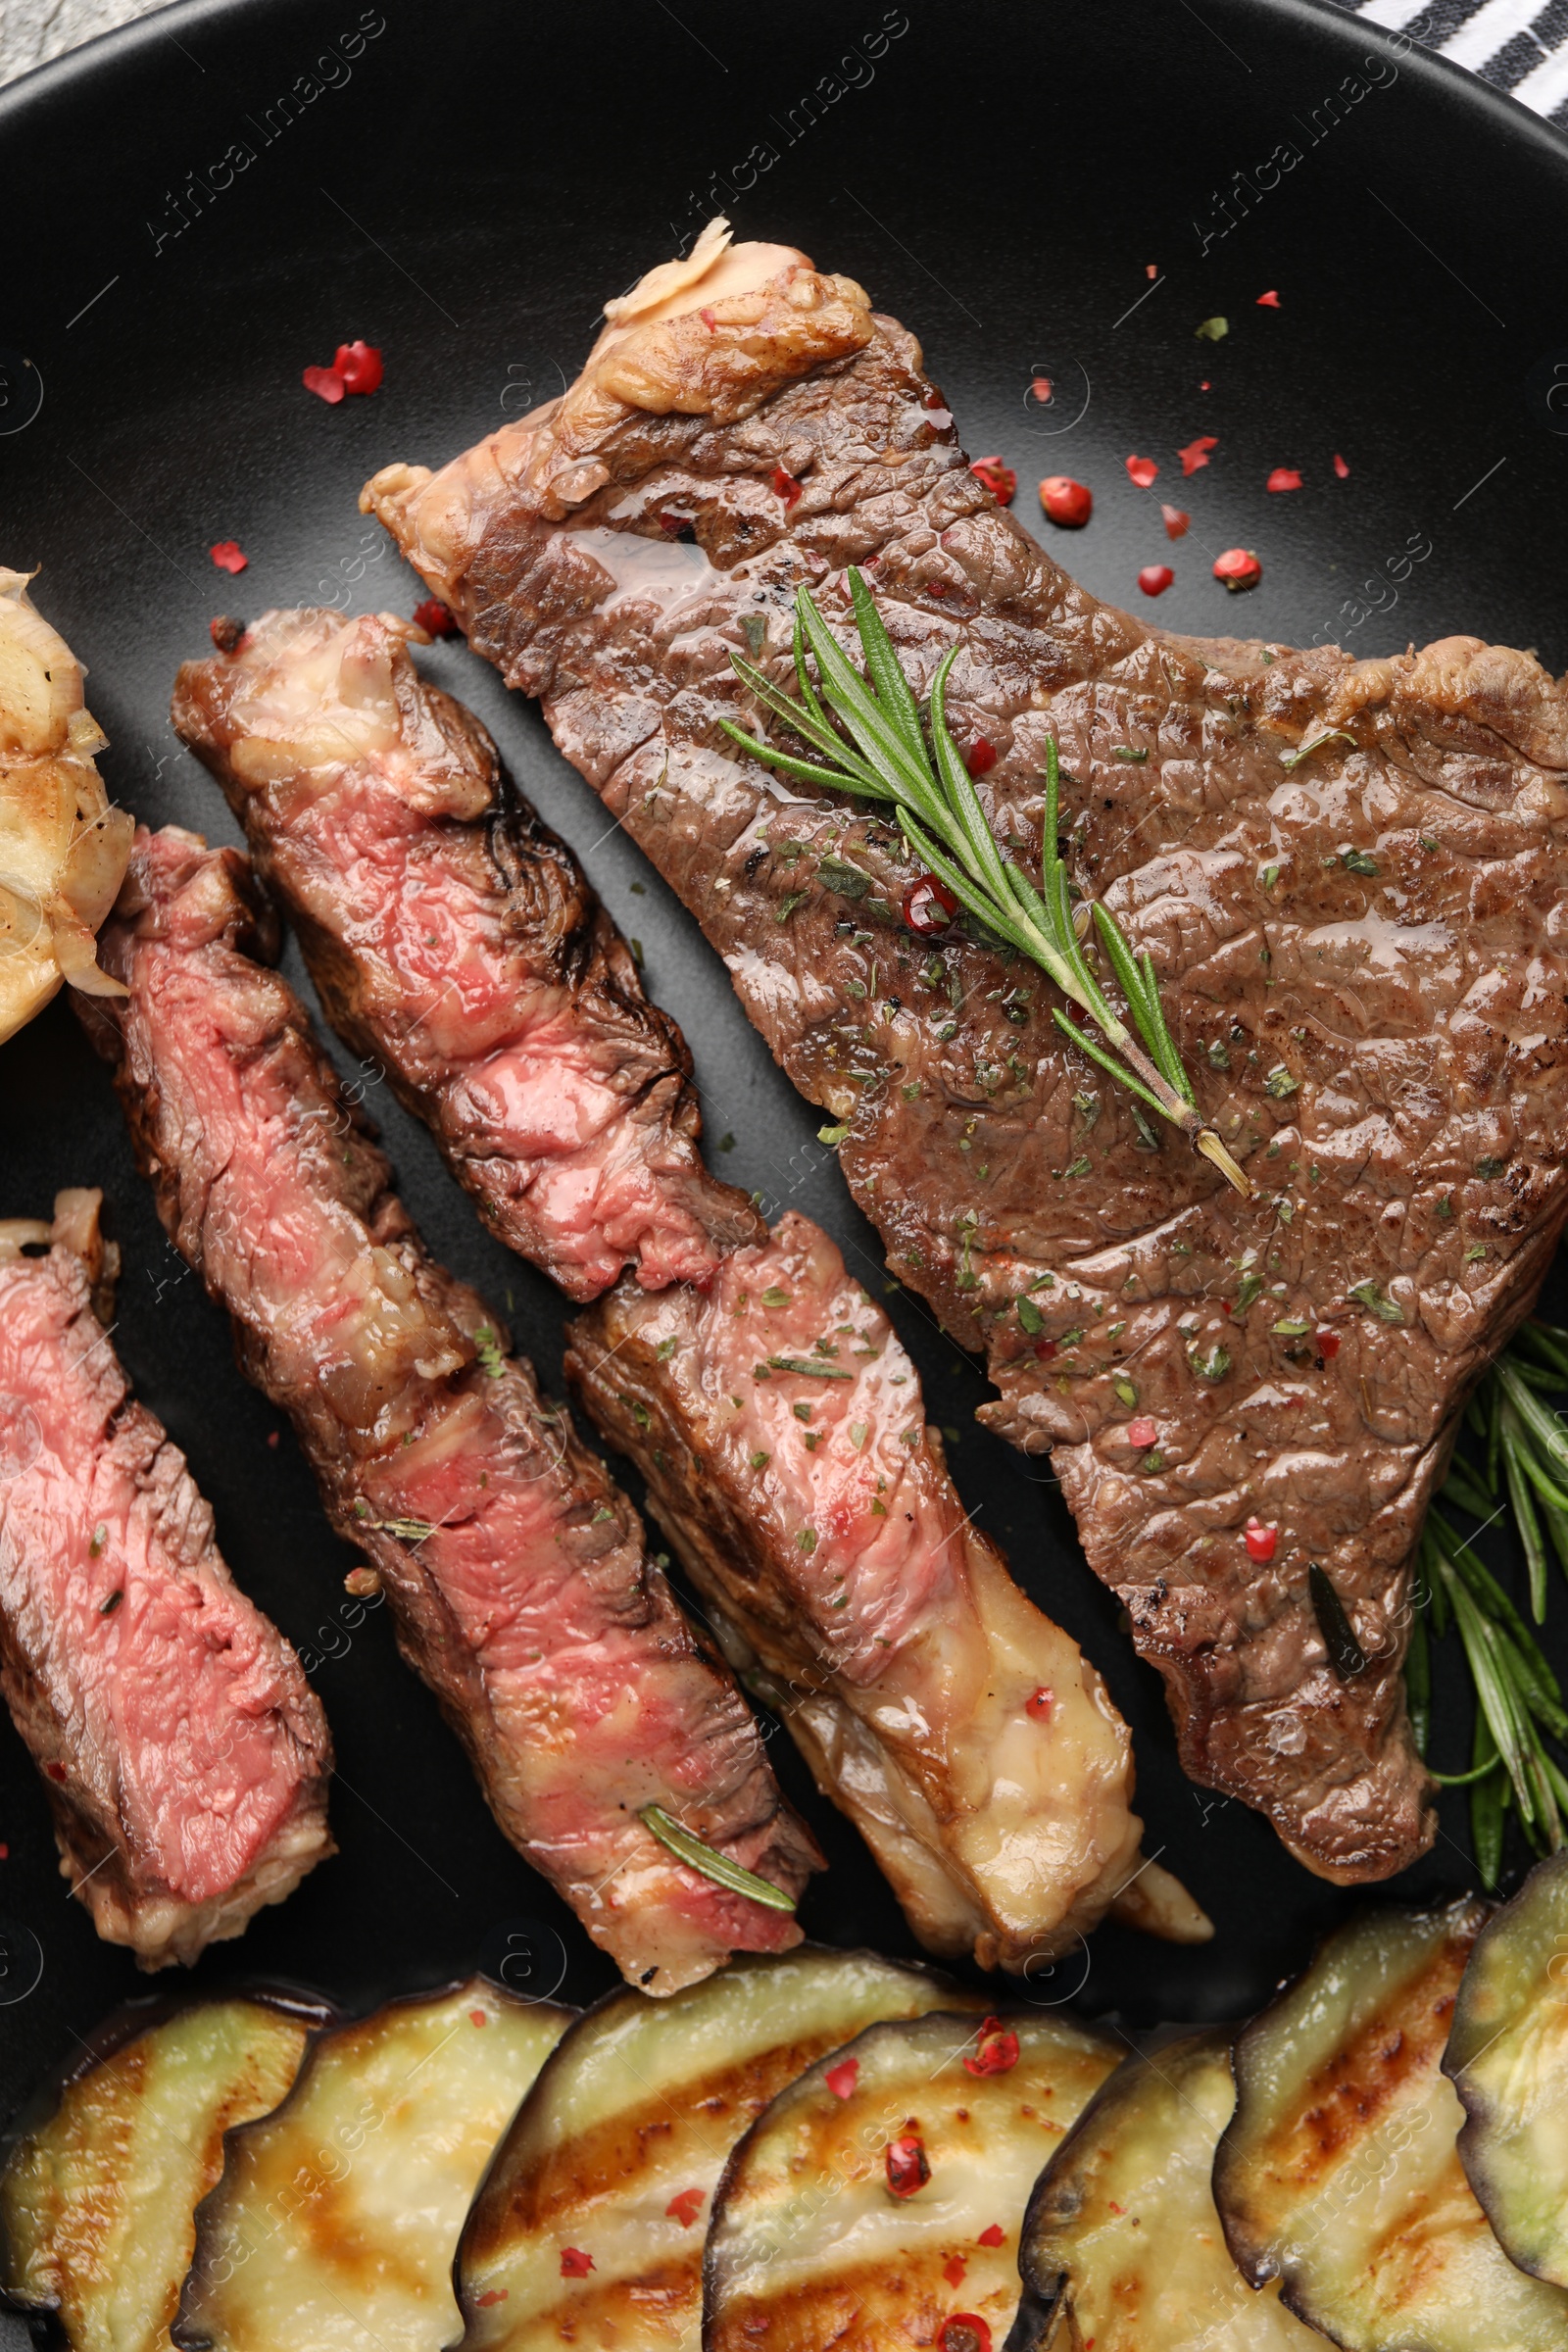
518,1575
455,940
184,1755
778,1423
942,1795
1359,944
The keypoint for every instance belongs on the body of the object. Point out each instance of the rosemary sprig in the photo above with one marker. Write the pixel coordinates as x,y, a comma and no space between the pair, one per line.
887,757
1522,1467
715,1866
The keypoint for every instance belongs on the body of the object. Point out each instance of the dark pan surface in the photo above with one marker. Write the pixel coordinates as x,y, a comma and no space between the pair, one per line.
464,190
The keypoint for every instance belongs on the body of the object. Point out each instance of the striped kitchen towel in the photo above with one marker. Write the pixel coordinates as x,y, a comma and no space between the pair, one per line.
1520,45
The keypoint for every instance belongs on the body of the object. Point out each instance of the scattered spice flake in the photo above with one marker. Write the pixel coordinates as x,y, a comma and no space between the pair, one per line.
574,2263
1042,388
997,2053
953,2272
435,619
841,2079
1176,522
1065,501
1141,1433
1213,330
274,1439
1269,301
325,383
1238,569
1195,453
1340,468
1156,578
1150,269
228,555
708,320
5,1853
1206,385
477,2017
995,2235
56,1772
981,756
1328,1344
967,2331
359,365
787,488
1038,1703
493,2294
1284,477
906,2164
1261,1541
998,478
685,2206
1142,471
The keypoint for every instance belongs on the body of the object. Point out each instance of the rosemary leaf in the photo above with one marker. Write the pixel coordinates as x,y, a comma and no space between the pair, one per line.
715,1866
888,752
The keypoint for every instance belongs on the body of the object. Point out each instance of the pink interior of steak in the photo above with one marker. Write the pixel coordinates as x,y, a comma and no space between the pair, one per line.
453,938
177,1734
1347,875
780,1423
517,1571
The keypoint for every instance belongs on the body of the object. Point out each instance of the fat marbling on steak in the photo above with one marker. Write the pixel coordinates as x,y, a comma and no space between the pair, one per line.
519,1580
456,941
780,1425
186,1757
1359,951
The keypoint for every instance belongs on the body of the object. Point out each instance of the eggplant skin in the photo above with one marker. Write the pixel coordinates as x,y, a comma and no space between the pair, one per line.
1339,2172
1121,2241
99,2197
1508,2058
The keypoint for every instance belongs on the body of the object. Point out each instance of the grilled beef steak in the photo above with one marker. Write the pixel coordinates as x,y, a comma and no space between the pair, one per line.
327,740
779,1425
517,1572
1348,875
186,1757
453,938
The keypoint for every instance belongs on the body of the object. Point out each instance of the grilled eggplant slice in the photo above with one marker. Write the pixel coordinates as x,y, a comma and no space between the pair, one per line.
589,2228
1339,2173
1508,2060
99,2201
877,2202
1122,2240
336,2219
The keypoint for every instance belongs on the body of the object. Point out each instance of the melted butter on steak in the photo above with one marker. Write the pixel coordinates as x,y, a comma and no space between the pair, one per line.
1360,950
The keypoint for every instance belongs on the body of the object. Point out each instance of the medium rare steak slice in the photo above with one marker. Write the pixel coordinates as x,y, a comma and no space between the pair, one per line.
1349,874
519,1584
186,1757
455,940
986,1854
779,1425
